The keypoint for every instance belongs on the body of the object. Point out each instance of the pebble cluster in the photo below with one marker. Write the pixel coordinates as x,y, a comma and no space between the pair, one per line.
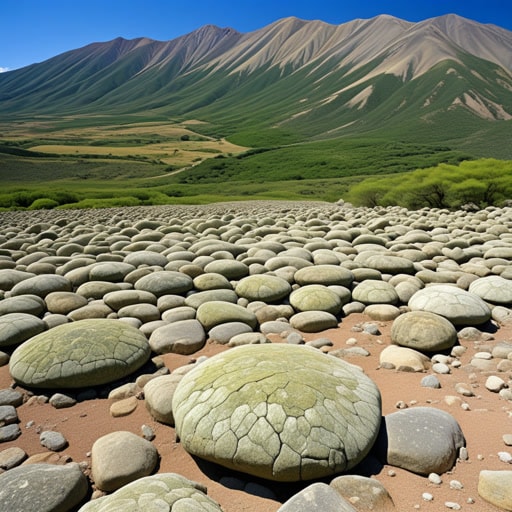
89,299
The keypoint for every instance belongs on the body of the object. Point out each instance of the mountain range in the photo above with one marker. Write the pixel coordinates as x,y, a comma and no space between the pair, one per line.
445,78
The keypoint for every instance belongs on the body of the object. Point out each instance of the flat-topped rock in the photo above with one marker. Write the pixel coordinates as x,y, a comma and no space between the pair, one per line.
79,354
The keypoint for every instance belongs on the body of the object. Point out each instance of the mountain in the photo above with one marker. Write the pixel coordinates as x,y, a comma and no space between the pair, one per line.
443,78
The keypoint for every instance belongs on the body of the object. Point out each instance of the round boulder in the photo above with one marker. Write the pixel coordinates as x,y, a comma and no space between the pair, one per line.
217,312
277,411
165,282
15,328
493,289
165,491
458,306
324,274
78,354
316,297
422,440
423,331
375,292
263,287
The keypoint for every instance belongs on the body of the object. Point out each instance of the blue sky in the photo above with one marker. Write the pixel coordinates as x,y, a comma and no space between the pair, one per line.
35,30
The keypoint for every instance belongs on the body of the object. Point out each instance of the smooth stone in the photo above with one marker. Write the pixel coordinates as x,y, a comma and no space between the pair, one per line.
313,321
11,396
64,302
382,312
494,487
41,285
42,487
325,275
224,332
158,394
315,297
9,432
165,282
52,440
195,300
493,289
181,337
266,288
29,304
495,383
404,359
422,440
248,338
123,407
430,381
375,292
11,457
119,458
15,328
61,401
211,314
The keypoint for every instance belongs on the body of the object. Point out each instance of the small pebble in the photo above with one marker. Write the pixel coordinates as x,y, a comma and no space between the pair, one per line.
452,505
507,439
463,453
391,473
351,341
54,441
401,405
427,496
434,478
505,457
483,355
441,368
495,384
455,484
147,433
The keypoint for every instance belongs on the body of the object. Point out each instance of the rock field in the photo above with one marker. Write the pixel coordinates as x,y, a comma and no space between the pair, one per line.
256,356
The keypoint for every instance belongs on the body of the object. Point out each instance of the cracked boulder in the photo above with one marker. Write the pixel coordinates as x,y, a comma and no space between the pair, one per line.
277,411
80,354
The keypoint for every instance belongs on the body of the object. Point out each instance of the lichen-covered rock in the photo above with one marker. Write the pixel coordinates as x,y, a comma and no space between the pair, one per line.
316,297
263,287
79,354
493,289
458,306
215,312
281,412
371,291
423,331
165,282
324,274
165,491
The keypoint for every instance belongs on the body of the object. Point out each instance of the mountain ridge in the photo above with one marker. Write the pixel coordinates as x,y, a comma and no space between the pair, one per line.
309,77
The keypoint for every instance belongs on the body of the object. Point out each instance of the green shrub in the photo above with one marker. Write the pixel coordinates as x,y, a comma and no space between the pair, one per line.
43,203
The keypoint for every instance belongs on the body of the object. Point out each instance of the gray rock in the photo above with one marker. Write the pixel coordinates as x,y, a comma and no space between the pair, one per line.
15,328
29,304
61,401
182,337
325,275
316,497
42,487
162,492
430,381
279,411
64,302
248,338
422,440
119,458
10,396
8,415
80,354
224,332
52,440
9,432
195,300
165,283
41,285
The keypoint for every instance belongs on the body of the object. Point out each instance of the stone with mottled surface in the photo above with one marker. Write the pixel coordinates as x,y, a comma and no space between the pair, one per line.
80,354
281,412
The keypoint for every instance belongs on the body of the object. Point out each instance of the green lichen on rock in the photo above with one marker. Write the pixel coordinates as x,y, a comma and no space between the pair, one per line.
78,354
280,412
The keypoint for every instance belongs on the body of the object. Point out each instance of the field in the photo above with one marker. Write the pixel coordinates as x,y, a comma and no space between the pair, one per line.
93,161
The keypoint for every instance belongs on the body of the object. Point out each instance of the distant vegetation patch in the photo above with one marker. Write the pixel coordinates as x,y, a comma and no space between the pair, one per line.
481,183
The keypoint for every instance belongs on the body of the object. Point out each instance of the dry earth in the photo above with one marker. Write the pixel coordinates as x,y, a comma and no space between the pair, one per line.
489,417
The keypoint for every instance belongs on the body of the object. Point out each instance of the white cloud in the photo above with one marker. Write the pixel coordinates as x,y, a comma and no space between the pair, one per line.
3,70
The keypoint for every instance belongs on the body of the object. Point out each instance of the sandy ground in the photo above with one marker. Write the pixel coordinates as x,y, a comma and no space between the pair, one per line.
489,417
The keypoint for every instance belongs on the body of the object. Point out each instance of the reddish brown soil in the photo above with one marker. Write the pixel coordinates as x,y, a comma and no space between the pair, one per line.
488,419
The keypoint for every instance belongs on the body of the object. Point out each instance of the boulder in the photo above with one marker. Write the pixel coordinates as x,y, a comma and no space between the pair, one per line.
277,411
79,354
180,337
495,487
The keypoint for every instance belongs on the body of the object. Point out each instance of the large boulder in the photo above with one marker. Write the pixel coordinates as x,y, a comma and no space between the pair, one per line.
277,411
496,488
493,289
165,491
316,297
78,354
457,305
263,287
